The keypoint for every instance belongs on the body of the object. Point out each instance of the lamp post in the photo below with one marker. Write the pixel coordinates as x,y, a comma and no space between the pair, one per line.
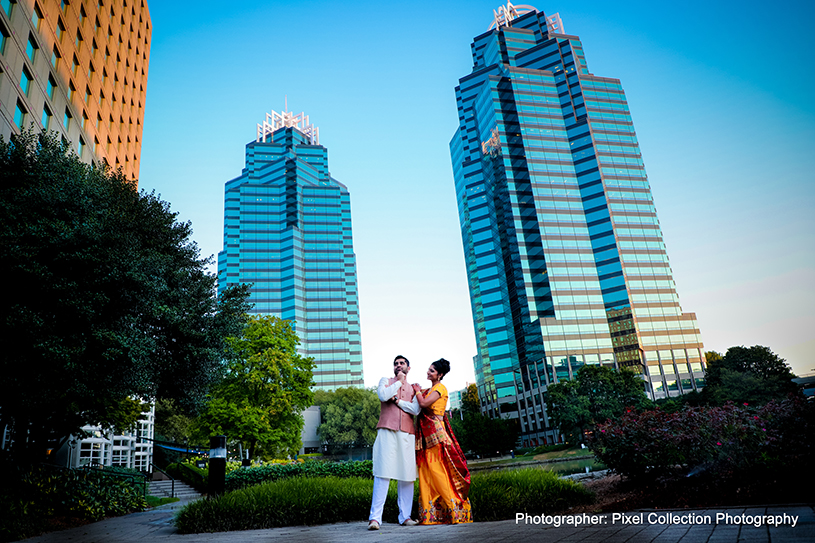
217,465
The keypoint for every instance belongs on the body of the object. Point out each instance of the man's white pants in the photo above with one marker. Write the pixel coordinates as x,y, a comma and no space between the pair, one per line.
404,495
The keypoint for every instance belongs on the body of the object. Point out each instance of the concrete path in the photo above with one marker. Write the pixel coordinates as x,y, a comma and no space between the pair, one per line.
725,525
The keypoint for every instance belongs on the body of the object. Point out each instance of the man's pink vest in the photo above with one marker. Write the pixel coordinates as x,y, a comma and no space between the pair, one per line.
393,418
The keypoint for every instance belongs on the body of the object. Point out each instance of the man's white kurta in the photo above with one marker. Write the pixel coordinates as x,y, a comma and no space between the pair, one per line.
394,453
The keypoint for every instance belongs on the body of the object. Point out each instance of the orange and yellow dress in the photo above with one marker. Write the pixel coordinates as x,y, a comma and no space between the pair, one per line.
444,480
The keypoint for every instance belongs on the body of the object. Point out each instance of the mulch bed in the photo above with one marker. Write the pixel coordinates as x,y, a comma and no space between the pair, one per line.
617,494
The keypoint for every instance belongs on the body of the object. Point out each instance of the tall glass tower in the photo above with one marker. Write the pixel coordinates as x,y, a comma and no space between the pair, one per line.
565,258
287,231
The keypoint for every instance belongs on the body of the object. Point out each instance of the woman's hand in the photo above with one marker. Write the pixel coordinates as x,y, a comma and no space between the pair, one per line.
416,388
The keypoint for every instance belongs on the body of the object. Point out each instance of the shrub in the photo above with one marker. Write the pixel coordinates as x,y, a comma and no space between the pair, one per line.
275,472
722,441
289,502
196,477
30,498
320,500
498,495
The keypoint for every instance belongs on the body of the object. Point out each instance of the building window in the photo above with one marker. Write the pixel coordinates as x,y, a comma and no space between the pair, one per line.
20,115
8,7
71,91
84,120
64,5
82,15
55,56
4,35
87,94
46,118
66,121
25,80
95,48
36,17
81,147
60,29
75,66
31,49
51,86
79,40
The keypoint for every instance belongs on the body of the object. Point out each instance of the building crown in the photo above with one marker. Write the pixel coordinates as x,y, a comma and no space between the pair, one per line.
285,119
508,13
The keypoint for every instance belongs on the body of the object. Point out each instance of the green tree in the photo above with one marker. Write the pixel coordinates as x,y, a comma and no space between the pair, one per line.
469,400
595,395
266,388
106,298
349,417
747,375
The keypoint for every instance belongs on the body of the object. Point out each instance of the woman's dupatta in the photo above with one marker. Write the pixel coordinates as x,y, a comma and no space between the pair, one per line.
432,430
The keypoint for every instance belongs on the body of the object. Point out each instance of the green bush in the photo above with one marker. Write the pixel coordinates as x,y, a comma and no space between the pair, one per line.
289,502
194,476
30,498
274,472
322,500
498,495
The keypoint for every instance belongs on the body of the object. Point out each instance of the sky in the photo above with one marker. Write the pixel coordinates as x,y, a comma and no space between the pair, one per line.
720,93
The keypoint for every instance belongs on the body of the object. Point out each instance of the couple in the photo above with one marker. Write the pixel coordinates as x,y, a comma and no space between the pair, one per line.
401,449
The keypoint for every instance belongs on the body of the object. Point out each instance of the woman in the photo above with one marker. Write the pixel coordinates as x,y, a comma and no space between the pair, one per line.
444,480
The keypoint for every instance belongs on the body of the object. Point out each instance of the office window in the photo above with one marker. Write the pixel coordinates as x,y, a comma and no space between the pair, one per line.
87,94
95,47
8,7
84,120
46,117
60,29
63,5
75,66
25,80
51,86
36,17
31,49
90,71
71,91
80,147
20,115
66,121
79,40
4,35
82,15
55,56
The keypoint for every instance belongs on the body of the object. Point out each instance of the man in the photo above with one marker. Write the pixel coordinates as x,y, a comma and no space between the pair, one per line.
394,448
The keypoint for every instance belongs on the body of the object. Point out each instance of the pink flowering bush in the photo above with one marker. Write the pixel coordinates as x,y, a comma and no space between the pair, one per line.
718,440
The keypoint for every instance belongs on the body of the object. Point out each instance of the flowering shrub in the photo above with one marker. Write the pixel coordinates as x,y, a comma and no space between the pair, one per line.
721,440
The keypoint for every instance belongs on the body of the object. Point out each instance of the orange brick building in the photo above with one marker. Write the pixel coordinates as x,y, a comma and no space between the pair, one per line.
78,67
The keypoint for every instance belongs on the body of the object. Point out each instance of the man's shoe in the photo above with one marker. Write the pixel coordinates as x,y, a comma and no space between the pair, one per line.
410,522
373,525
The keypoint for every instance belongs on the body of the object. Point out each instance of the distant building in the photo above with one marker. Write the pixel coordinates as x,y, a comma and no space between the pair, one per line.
80,69
287,232
565,257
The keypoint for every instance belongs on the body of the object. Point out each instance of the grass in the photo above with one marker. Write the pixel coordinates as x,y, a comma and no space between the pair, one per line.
323,500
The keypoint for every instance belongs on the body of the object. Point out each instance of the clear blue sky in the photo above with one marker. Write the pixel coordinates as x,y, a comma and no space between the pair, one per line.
720,93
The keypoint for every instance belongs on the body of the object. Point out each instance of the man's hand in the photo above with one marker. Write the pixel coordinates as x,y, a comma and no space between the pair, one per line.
401,377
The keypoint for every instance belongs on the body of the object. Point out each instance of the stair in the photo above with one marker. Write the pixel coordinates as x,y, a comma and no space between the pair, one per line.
163,489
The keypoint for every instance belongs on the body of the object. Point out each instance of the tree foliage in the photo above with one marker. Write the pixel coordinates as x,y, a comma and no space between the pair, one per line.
595,395
265,389
349,417
107,298
482,435
469,400
753,375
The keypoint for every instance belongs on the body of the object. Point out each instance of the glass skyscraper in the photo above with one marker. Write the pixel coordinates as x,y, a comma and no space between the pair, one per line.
287,231
565,258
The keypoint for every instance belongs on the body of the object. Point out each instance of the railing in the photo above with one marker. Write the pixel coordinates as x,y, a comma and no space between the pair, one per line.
172,485
111,473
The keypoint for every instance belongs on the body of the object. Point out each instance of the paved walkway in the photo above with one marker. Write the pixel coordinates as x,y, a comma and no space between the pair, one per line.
753,525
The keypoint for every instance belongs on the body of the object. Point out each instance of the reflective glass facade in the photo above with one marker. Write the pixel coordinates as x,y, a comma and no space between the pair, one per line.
565,258
287,231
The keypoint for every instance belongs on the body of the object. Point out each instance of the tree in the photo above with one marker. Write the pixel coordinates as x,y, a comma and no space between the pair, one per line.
265,389
106,298
747,375
469,400
595,395
349,417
